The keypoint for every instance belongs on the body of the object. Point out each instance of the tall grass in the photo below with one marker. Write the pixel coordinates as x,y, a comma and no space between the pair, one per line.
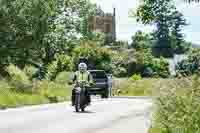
132,87
178,107
19,90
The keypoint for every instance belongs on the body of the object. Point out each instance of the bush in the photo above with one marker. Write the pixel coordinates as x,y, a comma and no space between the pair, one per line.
98,57
52,90
44,92
18,79
12,98
179,108
136,77
18,90
120,72
151,66
189,66
63,77
30,71
123,63
148,72
62,63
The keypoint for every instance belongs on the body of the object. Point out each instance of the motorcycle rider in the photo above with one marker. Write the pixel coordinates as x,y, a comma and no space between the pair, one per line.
82,75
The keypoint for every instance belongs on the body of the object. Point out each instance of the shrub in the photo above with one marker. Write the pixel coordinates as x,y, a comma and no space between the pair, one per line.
148,72
12,98
18,79
136,77
123,63
18,90
151,66
61,63
30,71
190,65
179,108
52,90
63,77
120,72
98,57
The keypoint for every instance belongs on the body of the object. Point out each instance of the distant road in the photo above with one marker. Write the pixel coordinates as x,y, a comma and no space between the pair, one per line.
118,115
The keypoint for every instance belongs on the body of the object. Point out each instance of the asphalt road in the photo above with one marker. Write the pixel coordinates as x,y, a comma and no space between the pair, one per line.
118,115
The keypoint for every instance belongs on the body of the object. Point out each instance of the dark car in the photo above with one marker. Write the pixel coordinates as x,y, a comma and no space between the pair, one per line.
101,83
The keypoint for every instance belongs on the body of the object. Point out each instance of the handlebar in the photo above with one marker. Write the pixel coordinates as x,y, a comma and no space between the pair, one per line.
83,83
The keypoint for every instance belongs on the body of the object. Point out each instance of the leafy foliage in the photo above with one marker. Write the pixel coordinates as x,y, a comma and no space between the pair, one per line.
123,62
178,109
37,30
141,41
18,79
168,22
178,22
151,66
190,65
18,90
136,77
23,26
60,64
99,57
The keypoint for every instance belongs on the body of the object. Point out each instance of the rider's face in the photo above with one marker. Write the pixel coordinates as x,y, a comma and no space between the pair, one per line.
82,69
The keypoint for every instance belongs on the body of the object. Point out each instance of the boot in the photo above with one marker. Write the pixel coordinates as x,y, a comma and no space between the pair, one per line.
73,98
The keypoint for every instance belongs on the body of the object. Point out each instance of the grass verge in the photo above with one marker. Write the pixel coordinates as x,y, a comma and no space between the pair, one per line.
43,92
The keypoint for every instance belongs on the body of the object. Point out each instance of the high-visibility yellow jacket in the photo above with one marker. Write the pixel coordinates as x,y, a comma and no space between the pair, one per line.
83,76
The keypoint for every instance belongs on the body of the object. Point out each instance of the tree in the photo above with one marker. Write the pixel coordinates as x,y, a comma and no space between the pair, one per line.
98,57
161,14
141,41
190,65
69,24
36,30
178,22
23,27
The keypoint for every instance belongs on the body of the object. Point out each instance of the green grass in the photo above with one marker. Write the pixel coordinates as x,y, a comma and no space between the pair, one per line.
155,130
129,87
176,102
148,86
43,92
177,107
11,99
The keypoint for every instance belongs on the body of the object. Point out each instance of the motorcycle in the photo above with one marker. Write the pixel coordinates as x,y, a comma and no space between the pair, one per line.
81,100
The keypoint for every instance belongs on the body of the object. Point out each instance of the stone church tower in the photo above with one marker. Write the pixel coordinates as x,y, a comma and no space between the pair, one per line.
105,23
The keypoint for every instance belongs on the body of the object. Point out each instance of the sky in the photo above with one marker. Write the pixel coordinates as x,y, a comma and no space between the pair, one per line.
127,26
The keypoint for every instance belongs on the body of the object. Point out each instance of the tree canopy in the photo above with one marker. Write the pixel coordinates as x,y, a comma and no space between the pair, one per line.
168,22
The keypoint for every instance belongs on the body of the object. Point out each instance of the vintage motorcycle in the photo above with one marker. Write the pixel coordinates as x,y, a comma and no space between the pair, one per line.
81,96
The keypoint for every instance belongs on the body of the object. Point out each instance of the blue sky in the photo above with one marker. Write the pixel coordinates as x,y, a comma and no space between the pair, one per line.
126,26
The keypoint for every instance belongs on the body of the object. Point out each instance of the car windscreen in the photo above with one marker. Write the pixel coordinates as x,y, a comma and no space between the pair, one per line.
98,74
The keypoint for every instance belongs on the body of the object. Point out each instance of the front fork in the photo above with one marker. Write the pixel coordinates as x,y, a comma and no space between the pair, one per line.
78,90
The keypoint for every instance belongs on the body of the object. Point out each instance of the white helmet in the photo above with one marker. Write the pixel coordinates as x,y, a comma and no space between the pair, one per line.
82,67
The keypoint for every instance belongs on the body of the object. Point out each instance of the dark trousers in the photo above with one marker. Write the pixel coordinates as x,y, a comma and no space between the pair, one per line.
73,96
